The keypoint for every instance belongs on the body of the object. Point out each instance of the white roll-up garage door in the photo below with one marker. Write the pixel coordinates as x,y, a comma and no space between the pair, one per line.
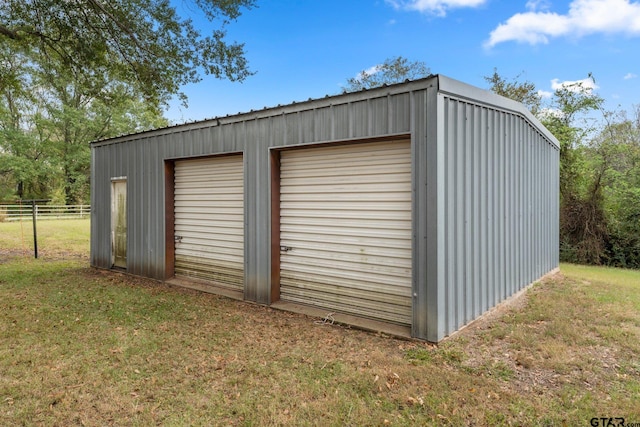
209,220
346,229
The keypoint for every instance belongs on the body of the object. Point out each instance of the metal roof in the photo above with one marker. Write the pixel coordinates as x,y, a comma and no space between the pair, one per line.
445,85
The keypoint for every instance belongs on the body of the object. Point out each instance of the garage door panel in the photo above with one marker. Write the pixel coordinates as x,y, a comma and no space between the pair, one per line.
219,273
291,230
348,266
384,159
373,285
344,152
211,248
297,239
354,258
369,289
196,230
340,294
350,222
346,224
353,305
350,172
229,208
212,193
332,215
364,275
329,247
226,175
351,208
194,217
209,220
372,196
217,258
344,187
224,227
205,162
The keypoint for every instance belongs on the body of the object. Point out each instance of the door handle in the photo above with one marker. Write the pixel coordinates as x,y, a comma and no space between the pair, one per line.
285,248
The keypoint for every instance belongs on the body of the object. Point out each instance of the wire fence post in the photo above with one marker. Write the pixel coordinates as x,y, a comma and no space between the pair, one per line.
34,211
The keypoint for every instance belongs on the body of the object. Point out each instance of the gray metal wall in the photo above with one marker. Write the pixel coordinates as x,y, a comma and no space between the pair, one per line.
500,208
485,189
140,158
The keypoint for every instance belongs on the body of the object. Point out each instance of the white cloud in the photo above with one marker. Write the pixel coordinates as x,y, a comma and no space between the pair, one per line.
584,17
587,85
550,113
630,76
545,94
534,5
369,72
435,7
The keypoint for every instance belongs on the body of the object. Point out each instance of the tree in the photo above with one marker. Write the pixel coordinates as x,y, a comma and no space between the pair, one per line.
392,70
50,115
76,71
613,159
145,42
524,92
584,230
584,225
567,117
22,165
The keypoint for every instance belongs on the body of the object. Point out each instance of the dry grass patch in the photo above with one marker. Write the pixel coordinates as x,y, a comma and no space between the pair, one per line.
567,346
80,346
89,347
57,239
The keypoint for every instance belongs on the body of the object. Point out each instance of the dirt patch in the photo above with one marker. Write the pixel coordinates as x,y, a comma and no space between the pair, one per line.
533,350
7,255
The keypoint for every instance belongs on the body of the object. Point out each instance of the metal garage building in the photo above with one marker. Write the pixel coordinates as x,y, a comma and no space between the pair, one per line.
414,207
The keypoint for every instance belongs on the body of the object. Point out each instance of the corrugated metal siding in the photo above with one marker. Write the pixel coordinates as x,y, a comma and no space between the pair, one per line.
141,158
500,208
346,217
209,220
450,284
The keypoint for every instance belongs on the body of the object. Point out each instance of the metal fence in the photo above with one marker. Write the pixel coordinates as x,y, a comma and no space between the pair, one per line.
25,212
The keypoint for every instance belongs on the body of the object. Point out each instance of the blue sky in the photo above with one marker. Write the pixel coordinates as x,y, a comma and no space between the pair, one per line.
307,49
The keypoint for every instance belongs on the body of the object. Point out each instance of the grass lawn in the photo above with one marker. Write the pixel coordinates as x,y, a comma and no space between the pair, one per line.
80,346
56,238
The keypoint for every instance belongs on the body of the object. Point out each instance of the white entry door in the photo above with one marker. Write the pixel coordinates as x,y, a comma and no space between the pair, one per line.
119,223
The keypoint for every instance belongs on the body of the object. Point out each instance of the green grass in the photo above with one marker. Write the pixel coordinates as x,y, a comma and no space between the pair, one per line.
80,346
609,275
56,238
